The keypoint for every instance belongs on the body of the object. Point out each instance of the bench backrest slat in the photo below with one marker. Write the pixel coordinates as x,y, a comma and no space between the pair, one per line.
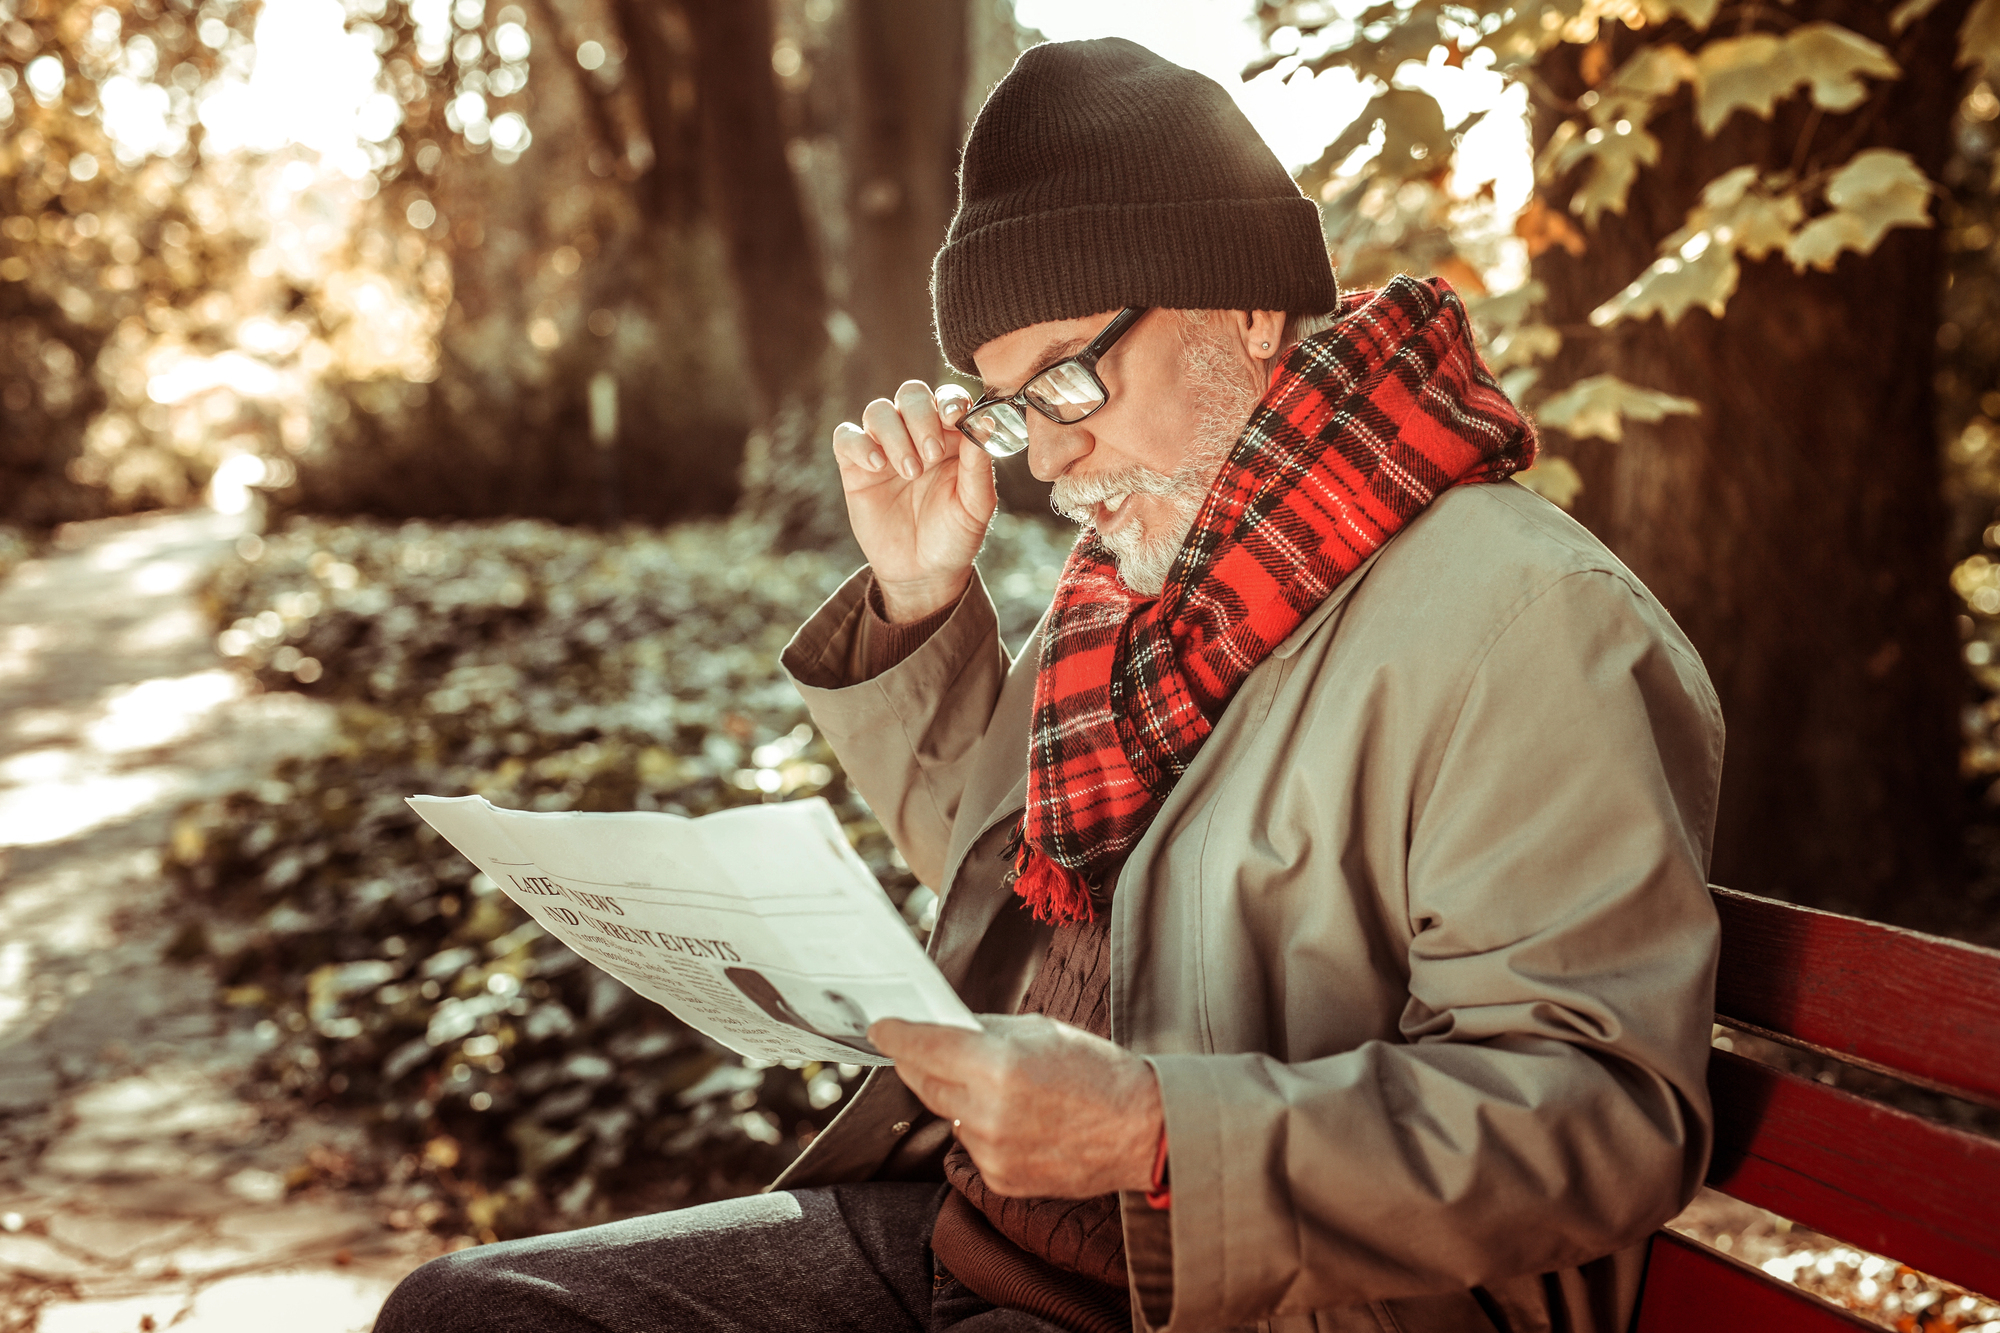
1876,1177
1689,1286
1922,1008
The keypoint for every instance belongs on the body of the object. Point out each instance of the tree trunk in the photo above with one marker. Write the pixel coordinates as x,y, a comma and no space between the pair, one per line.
906,67
755,199
1796,529
707,63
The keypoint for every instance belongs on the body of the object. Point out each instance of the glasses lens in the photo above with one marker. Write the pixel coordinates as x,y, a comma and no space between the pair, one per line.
998,428
1066,392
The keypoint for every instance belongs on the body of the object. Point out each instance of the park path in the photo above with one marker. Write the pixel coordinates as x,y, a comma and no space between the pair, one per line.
141,1187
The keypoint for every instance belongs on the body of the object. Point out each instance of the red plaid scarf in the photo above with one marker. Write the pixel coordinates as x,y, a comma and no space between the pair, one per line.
1364,425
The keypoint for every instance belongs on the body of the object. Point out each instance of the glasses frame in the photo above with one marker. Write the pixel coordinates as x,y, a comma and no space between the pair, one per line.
1084,359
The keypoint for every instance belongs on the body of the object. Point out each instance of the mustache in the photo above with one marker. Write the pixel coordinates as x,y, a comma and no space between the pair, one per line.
1075,497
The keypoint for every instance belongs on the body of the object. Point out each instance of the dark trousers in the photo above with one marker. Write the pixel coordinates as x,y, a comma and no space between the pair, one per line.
852,1257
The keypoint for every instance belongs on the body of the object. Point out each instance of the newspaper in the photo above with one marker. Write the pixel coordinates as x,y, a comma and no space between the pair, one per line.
758,926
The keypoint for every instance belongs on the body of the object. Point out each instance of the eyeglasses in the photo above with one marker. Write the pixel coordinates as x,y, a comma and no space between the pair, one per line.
1066,392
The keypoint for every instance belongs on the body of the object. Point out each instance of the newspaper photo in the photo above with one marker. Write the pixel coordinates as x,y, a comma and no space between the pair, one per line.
758,926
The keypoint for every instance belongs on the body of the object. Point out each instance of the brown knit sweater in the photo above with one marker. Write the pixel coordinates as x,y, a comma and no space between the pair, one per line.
1061,1259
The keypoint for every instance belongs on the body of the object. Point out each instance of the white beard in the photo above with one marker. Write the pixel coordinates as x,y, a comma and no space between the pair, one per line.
1224,398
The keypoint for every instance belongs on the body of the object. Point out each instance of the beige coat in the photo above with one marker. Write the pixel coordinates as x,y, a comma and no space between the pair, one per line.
1420,946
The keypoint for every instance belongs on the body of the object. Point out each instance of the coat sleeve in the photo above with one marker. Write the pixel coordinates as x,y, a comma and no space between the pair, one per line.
905,737
1546,1104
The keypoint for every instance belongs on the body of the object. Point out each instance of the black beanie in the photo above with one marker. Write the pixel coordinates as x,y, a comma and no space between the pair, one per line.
1100,176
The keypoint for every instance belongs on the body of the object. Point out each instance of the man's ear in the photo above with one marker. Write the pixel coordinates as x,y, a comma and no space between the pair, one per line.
1263,334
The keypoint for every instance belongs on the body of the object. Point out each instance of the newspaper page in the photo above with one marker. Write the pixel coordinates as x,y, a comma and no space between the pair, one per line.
758,926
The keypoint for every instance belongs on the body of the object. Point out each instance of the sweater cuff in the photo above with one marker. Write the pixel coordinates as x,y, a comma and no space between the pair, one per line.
884,643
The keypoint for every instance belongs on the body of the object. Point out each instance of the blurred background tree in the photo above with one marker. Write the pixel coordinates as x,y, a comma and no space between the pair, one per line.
593,259
113,236
722,249
1729,329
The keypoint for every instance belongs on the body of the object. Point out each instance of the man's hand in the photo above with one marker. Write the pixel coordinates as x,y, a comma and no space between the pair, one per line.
1045,1109
919,496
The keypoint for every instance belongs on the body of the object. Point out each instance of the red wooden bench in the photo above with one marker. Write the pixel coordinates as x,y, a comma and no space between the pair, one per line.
1921,1009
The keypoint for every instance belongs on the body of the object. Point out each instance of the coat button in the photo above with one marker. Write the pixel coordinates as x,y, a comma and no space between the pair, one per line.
900,1127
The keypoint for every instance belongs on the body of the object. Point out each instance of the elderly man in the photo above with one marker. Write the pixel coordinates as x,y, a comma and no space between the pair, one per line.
1332,858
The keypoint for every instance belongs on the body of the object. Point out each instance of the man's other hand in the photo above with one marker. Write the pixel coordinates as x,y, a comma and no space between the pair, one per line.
919,496
1046,1110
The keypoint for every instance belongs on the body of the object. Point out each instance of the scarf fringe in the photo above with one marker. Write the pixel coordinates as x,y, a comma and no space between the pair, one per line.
1053,893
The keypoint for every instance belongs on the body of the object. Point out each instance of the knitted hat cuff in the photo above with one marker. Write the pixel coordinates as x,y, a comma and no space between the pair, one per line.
1207,254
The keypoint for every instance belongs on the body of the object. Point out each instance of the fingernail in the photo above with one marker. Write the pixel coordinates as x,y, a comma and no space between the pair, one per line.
908,469
875,461
933,450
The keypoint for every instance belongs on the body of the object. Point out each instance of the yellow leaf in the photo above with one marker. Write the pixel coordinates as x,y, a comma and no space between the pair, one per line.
1979,39
1909,12
1515,383
1596,63
1522,346
1653,71
1740,73
1502,310
1559,149
1554,479
1728,189
1701,273
1614,154
1533,28
1830,57
1748,220
1415,140
1876,174
1761,225
1877,190
1599,405
1698,13
1464,278
1752,73
1820,242
1636,89
1543,229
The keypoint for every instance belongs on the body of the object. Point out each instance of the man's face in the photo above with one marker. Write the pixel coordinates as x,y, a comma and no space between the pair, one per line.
1137,469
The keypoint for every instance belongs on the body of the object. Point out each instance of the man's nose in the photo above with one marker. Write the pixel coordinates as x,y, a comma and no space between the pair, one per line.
1054,447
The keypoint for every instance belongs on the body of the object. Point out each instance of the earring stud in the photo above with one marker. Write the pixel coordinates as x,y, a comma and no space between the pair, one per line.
1265,346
